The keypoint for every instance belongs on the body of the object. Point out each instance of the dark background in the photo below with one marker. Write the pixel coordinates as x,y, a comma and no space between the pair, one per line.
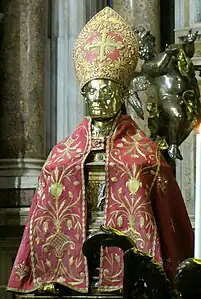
167,21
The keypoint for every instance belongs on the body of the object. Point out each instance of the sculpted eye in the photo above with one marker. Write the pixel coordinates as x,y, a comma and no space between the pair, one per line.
92,91
107,90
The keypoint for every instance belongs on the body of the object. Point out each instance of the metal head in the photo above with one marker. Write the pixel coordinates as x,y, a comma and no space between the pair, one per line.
104,98
147,47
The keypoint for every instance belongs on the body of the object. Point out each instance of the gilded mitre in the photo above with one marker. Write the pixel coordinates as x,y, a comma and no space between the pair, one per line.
106,48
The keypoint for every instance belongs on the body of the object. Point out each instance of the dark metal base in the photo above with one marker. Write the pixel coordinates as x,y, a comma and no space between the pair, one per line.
71,297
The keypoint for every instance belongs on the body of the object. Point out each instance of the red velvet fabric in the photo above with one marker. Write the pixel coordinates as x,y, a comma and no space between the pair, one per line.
142,200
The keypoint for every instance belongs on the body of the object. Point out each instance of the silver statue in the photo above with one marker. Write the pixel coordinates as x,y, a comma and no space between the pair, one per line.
178,109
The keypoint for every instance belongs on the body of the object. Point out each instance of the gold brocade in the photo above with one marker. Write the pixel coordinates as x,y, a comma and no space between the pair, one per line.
21,270
58,242
92,177
106,48
130,208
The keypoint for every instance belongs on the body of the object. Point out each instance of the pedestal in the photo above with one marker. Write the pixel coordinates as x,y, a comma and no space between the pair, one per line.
70,297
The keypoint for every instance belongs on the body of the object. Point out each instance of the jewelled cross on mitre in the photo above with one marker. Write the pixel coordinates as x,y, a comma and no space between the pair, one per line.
104,44
106,48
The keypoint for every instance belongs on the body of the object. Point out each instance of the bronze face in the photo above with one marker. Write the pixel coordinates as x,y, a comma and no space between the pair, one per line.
104,98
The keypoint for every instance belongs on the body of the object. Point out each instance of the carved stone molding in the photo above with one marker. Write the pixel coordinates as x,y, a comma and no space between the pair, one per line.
16,198
19,173
13,216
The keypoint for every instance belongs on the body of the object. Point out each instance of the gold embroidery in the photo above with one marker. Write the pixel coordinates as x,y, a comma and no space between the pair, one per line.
56,190
57,213
45,226
117,257
21,270
57,242
133,185
61,280
148,236
131,207
104,44
120,221
142,221
136,209
40,189
162,183
56,187
69,147
133,146
106,48
114,180
172,223
69,224
48,263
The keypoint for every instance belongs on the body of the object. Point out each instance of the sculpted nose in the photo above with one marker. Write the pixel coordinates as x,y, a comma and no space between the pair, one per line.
97,95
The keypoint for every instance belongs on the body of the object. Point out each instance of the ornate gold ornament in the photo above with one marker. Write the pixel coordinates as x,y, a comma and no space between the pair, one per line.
106,48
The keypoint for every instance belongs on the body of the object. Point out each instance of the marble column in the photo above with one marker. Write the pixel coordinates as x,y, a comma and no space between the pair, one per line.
145,13
70,19
22,86
22,60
